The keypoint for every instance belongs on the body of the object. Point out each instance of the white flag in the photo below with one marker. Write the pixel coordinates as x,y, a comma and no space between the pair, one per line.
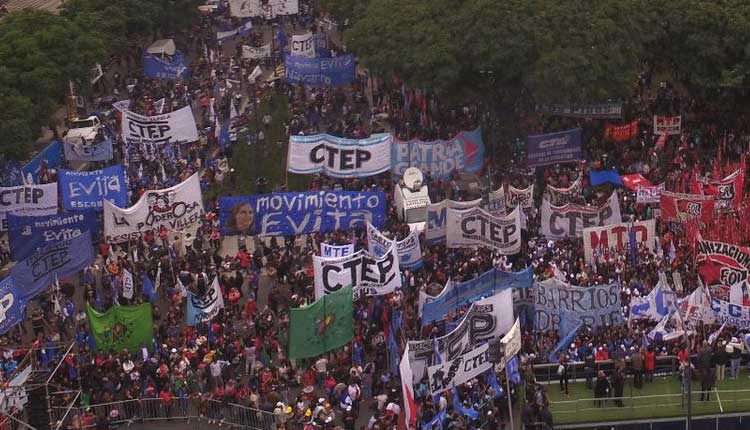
157,281
127,284
257,72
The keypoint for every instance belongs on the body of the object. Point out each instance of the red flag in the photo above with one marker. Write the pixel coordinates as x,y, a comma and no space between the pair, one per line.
635,181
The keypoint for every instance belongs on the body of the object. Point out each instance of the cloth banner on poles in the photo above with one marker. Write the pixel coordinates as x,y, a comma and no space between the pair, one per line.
409,250
88,190
597,306
436,216
27,234
321,72
461,369
339,157
122,327
366,274
256,53
27,200
173,127
563,196
175,208
559,222
615,238
669,125
679,207
476,227
721,265
553,148
99,151
336,251
303,45
439,158
621,133
168,67
649,194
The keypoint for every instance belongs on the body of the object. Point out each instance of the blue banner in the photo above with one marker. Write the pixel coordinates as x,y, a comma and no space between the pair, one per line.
27,234
12,305
57,260
456,295
599,177
172,67
288,214
242,30
439,158
100,151
87,190
553,148
320,72
51,156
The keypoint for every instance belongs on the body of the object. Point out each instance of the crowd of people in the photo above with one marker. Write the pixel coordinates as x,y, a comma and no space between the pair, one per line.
240,357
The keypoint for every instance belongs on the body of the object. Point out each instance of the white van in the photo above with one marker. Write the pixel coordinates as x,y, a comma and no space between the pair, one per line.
411,199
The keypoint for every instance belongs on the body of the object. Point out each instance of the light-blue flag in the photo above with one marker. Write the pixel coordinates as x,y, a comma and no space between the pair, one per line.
148,288
564,341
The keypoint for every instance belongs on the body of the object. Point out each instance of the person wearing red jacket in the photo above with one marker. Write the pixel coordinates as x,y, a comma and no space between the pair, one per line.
649,363
601,354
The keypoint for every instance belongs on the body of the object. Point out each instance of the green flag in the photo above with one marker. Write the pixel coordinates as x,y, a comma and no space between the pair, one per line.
122,327
324,325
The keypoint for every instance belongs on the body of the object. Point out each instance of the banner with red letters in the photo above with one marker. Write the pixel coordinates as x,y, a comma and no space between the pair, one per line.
621,133
616,238
721,265
669,125
679,207
649,194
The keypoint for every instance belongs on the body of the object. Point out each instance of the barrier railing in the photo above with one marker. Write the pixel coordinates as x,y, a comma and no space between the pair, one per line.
665,365
156,409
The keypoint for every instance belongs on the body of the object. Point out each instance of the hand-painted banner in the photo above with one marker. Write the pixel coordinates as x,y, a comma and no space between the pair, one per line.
727,192
458,294
461,369
621,133
26,234
597,306
303,45
559,222
409,251
50,158
437,218
646,195
368,275
88,190
206,307
320,72
256,53
263,9
520,197
439,158
731,314
12,305
289,214
173,67
496,202
174,127
56,261
27,200
678,207
242,30
615,238
334,251
553,148
486,319
593,110
721,265
339,157
100,151
476,227
175,208
563,196
667,125
659,303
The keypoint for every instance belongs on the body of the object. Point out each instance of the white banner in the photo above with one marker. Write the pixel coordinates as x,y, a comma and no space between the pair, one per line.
409,250
485,320
334,251
256,8
476,227
128,286
205,307
496,202
616,237
339,157
173,127
563,196
303,45
256,53
461,369
175,208
511,342
27,200
518,197
667,124
437,218
649,194
14,397
559,222
368,276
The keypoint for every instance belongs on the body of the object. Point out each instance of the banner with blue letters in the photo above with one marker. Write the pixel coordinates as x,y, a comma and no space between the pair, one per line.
336,251
597,306
437,218
553,148
27,234
458,294
289,214
320,72
155,66
409,250
99,151
54,261
439,158
51,156
88,190
206,307
12,305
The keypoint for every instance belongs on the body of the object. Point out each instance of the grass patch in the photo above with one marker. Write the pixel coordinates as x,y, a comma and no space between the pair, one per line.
267,158
734,396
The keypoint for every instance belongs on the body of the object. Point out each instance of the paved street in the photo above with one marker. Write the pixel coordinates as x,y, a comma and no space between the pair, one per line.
49,5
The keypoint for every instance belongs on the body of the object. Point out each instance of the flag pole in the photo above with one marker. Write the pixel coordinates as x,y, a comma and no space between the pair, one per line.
510,403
